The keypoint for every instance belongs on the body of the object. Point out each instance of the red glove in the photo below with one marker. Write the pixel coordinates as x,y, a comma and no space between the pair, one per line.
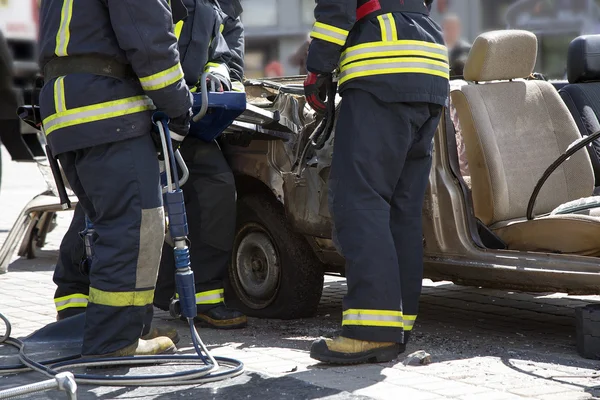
315,90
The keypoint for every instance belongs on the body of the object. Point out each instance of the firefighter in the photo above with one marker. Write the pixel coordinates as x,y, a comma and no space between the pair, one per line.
233,32
210,193
107,66
393,78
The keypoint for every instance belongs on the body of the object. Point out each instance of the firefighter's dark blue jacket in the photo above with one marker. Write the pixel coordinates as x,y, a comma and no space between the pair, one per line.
201,42
398,56
233,32
83,110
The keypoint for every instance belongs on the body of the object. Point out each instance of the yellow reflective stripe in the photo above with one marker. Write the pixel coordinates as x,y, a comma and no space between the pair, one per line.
97,112
121,299
64,35
396,48
380,318
238,86
178,28
220,69
59,94
393,26
77,300
409,322
383,28
221,28
329,33
162,79
210,297
406,65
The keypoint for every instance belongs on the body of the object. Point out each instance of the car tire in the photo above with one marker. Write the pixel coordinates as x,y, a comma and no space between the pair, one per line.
274,272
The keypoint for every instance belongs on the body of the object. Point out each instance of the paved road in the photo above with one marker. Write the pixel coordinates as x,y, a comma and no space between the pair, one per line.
485,344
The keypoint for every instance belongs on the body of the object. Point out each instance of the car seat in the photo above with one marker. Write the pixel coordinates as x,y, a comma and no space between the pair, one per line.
513,130
582,95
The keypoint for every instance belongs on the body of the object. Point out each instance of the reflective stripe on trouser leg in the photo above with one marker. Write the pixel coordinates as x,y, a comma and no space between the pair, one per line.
124,202
373,318
68,276
77,300
367,165
406,212
211,297
210,204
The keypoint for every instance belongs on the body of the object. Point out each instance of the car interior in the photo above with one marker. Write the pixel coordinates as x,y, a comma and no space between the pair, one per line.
513,128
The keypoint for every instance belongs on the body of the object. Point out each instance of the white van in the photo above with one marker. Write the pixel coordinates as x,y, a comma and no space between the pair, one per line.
19,21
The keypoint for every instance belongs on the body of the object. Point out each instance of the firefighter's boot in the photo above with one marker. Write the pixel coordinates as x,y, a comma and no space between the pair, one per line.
221,317
342,350
150,347
162,332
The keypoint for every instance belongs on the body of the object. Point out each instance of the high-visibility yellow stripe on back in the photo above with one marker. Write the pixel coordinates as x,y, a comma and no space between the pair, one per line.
64,35
387,24
397,65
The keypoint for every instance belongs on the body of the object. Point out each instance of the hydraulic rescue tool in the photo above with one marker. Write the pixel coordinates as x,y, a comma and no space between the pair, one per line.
64,337
322,134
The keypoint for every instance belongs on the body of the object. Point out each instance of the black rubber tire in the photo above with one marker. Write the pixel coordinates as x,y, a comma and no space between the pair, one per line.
300,279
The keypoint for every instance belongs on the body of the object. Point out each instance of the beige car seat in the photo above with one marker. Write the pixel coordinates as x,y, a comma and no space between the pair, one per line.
513,130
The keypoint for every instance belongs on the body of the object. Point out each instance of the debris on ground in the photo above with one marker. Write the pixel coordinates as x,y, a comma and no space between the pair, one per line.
420,357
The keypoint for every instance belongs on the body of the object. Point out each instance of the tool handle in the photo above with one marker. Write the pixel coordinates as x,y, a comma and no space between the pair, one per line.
60,183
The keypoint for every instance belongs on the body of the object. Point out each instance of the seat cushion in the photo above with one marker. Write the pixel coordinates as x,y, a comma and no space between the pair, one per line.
583,101
513,131
566,234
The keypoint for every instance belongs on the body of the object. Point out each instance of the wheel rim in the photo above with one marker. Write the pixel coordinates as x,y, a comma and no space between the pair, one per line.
257,266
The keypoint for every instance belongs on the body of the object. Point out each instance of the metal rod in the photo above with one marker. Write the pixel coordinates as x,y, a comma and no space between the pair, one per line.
63,381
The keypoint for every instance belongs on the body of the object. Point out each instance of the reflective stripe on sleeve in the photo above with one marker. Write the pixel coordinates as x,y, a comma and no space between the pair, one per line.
121,299
77,300
329,33
220,69
407,65
379,318
210,297
238,86
59,94
162,79
409,322
387,24
97,112
64,35
397,48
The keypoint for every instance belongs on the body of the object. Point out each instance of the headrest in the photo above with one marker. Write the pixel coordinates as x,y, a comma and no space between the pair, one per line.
583,60
502,55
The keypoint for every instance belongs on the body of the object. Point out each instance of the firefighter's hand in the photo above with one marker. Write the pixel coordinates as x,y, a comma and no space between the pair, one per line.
315,90
178,130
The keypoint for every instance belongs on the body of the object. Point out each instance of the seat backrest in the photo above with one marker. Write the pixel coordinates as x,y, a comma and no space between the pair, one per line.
514,129
582,94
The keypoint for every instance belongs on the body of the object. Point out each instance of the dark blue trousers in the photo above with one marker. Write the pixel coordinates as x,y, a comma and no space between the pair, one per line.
379,174
118,188
210,205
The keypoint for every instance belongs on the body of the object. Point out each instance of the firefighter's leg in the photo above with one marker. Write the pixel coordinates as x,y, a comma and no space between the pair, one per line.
70,276
406,213
210,203
371,144
118,186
